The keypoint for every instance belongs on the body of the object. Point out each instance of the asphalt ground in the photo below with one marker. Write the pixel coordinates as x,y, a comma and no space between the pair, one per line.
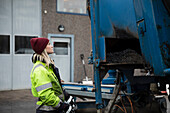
17,101
22,101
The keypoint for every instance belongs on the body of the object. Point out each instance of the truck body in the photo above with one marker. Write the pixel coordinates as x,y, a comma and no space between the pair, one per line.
131,44
129,35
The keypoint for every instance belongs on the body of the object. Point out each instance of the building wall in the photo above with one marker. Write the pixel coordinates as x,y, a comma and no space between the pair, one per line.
78,25
20,20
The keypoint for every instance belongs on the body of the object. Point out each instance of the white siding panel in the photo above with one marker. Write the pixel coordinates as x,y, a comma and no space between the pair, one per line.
5,59
5,16
5,73
26,22
18,17
26,16
21,74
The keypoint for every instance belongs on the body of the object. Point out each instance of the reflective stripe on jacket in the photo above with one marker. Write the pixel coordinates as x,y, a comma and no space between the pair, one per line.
45,85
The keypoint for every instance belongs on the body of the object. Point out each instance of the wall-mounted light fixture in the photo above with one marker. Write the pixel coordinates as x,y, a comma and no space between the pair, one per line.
61,28
45,11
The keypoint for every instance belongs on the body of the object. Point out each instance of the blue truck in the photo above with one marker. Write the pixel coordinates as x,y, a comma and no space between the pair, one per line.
131,40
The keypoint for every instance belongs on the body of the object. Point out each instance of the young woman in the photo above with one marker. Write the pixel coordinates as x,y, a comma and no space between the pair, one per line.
46,82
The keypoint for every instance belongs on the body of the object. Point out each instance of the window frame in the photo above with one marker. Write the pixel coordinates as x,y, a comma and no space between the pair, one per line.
62,12
10,40
14,36
67,44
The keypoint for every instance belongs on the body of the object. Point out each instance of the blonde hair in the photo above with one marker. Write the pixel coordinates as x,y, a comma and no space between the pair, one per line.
43,57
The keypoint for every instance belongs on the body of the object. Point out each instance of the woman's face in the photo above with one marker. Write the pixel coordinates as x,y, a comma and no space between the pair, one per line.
49,48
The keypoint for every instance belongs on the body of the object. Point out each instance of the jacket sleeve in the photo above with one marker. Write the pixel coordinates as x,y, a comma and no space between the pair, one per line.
44,88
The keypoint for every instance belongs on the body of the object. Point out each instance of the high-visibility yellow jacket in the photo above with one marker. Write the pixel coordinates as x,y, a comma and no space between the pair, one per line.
45,85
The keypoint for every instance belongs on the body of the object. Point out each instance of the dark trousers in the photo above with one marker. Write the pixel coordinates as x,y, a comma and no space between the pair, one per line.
67,96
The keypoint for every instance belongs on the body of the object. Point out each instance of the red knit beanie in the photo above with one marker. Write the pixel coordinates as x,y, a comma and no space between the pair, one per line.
39,44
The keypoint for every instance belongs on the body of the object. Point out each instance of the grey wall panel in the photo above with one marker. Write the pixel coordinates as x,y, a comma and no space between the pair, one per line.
26,22
5,72
18,17
26,16
22,66
5,59
5,16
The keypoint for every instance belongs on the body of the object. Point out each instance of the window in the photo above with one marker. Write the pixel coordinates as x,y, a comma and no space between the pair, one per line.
61,48
72,6
23,45
4,44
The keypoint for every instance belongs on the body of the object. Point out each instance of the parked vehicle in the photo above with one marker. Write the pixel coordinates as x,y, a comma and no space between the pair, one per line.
130,35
